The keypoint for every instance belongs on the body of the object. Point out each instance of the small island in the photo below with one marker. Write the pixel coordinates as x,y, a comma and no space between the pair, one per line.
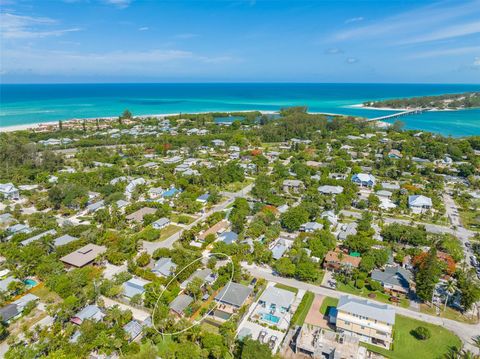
441,102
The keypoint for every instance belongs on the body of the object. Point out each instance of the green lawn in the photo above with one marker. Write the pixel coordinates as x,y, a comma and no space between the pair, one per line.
449,313
168,231
174,217
470,219
237,186
364,292
406,346
326,303
303,308
286,287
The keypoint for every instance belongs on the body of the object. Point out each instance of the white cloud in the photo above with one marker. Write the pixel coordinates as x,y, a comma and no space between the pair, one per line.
447,33
28,27
352,60
119,3
476,61
429,19
354,19
154,62
143,28
446,52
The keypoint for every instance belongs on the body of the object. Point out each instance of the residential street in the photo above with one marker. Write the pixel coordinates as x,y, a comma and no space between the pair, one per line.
150,247
465,331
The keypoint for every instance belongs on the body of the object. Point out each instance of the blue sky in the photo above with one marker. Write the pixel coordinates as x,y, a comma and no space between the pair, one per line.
255,41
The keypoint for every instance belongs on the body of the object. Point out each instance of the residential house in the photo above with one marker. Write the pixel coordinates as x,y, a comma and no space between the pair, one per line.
180,304
63,240
9,191
331,217
279,249
216,229
206,275
27,241
137,216
292,186
274,305
310,227
394,279
4,283
337,260
9,313
164,267
133,329
161,223
370,322
419,203
395,154
90,312
156,192
230,299
203,198
218,143
364,179
92,208
6,219
132,185
83,256
228,237
330,189
348,229
134,286
19,228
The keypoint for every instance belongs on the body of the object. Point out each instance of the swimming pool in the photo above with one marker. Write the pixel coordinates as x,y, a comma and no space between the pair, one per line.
270,318
30,283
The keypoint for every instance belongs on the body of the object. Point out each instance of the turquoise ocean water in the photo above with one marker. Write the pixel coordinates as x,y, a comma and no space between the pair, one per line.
26,104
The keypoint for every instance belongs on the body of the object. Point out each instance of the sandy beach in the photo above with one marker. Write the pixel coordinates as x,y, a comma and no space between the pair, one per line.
33,126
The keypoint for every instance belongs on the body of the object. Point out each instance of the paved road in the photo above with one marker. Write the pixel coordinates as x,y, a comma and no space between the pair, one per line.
462,233
464,331
150,247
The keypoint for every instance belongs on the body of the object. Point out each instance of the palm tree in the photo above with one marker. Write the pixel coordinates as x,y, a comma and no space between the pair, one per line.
450,288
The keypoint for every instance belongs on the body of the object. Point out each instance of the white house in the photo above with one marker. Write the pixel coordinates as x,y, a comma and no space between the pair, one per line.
330,189
419,203
161,223
9,191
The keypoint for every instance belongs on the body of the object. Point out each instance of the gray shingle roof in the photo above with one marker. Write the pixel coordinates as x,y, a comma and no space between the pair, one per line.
65,239
8,312
397,276
234,294
181,302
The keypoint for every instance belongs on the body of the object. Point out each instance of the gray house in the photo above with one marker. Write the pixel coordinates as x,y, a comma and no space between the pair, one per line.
230,299
394,279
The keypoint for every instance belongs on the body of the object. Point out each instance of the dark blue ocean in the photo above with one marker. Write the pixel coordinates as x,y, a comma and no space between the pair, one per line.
25,104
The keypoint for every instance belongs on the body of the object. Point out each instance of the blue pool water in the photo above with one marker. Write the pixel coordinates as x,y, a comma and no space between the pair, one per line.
27,104
270,318
30,283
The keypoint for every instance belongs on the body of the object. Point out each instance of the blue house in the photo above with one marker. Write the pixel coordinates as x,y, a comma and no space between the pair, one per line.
228,237
364,179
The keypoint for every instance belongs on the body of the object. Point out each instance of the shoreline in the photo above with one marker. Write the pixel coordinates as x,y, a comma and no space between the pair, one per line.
362,106
38,125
